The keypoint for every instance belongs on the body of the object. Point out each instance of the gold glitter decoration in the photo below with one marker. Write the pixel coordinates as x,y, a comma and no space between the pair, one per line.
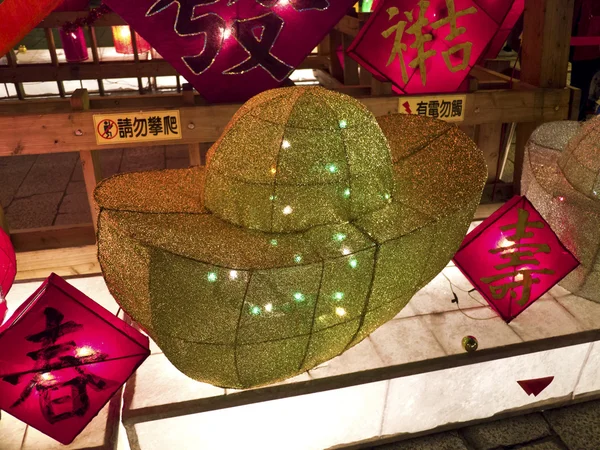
561,178
312,225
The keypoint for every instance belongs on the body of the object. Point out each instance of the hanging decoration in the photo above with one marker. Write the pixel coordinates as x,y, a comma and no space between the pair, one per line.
8,270
90,19
123,42
425,46
302,235
535,386
470,343
230,50
513,258
509,22
561,177
19,17
63,358
74,45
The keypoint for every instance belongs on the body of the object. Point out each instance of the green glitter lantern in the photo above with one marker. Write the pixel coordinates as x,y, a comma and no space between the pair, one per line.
311,226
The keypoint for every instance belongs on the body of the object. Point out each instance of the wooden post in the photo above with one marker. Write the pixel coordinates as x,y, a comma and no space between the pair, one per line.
488,140
3,222
335,68
193,149
545,55
351,76
90,159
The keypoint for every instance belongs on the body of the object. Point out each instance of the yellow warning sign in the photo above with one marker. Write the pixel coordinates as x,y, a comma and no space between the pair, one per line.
450,108
127,128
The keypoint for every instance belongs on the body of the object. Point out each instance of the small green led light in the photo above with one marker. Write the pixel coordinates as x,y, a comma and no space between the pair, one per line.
255,310
353,263
347,193
298,259
339,237
299,297
272,197
332,168
274,242
343,124
338,296
387,196
212,277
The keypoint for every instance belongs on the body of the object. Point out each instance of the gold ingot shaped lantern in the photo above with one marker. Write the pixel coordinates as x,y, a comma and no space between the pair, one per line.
303,234
561,178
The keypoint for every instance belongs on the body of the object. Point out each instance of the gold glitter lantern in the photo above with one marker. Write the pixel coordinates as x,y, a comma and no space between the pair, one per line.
303,234
561,178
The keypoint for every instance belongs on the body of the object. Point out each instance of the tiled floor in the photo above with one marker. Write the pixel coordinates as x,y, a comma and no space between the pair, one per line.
45,190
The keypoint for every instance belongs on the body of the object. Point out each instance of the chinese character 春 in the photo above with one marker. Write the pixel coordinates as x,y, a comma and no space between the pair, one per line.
60,397
155,125
125,128
140,127
518,258
170,125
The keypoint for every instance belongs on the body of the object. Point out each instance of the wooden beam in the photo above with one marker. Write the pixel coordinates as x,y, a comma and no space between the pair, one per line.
24,73
34,239
545,55
3,222
36,133
64,262
488,137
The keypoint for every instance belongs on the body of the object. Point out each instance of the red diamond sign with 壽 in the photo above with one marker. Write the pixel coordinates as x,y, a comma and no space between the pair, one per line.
231,50
513,258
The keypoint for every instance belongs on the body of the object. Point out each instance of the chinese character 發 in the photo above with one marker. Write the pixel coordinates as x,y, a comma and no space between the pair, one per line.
66,397
518,258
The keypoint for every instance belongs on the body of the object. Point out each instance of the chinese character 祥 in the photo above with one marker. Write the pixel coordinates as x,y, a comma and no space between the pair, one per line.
256,35
140,127
155,125
518,259
170,125
125,128
67,397
418,29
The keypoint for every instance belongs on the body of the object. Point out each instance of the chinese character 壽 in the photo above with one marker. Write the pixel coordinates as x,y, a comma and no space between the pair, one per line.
519,259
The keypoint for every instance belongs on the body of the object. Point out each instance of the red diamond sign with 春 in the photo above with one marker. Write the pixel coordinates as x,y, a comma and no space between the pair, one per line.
63,358
513,258
426,46
231,50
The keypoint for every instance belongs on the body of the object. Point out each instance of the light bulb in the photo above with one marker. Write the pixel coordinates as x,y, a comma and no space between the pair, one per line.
347,193
353,263
273,170
340,311
288,210
286,144
269,307
274,242
298,259
212,277
339,237
338,295
343,124
255,310
299,297
332,168
233,275
346,251
82,352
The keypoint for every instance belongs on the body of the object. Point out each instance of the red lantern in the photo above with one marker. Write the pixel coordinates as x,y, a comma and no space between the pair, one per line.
425,46
230,50
8,270
74,45
123,43
513,258
63,357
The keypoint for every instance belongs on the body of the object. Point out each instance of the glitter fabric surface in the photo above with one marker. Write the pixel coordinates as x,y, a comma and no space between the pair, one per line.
312,225
561,178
